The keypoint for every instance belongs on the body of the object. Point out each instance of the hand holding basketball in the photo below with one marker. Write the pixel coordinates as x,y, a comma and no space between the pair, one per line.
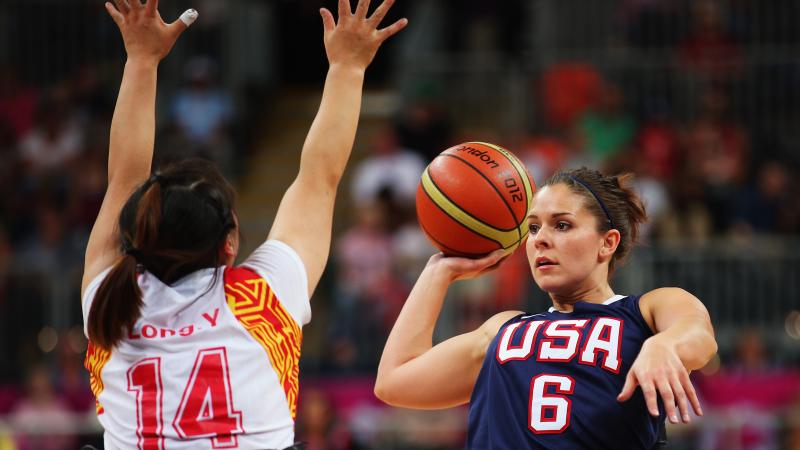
145,34
456,268
355,38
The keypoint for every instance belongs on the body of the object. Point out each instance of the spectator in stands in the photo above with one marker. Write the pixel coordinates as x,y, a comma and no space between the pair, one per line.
40,420
91,100
567,91
608,129
318,425
717,154
17,103
389,170
657,144
56,139
52,249
710,51
366,288
762,207
651,24
423,126
87,186
543,155
202,113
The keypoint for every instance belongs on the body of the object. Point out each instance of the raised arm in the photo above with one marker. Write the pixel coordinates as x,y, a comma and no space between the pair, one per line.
130,153
684,341
305,215
415,374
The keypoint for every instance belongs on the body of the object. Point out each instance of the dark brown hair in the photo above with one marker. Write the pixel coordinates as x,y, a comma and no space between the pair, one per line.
172,225
613,203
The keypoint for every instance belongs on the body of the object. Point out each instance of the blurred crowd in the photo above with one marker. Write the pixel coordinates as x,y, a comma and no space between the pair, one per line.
700,137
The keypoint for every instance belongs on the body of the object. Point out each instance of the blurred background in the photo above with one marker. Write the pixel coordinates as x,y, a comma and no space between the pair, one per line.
700,98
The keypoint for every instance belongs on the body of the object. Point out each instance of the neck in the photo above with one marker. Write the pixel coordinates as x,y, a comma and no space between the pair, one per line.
595,294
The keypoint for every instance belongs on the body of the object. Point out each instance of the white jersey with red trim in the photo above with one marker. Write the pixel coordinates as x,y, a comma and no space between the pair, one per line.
211,363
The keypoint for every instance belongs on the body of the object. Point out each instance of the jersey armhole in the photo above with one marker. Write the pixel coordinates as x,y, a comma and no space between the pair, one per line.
635,299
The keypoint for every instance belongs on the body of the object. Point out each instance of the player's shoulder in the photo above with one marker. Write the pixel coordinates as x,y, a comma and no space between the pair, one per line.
492,325
665,293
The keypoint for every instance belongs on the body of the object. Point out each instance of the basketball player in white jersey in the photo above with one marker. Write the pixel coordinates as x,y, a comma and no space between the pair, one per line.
187,351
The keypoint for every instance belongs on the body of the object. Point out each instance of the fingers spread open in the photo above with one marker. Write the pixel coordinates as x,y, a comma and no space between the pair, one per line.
327,20
391,30
669,400
361,8
119,19
690,392
151,7
650,397
123,6
628,388
380,12
344,8
680,398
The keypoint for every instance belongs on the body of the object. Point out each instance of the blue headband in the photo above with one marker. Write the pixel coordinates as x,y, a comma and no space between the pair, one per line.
602,205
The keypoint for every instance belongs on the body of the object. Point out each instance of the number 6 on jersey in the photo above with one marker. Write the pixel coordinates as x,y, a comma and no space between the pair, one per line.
550,413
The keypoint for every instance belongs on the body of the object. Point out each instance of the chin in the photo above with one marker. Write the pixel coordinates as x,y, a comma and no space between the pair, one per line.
548,284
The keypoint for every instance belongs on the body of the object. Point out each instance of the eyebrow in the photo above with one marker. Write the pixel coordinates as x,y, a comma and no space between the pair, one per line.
558,214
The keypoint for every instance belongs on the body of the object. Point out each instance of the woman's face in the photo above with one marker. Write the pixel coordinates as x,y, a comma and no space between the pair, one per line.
564,246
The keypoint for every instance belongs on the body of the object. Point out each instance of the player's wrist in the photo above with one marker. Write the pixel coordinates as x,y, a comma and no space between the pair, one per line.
347,68
439,272
142,61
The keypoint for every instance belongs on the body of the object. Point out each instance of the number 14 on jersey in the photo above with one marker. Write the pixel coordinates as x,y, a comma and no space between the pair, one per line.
206,409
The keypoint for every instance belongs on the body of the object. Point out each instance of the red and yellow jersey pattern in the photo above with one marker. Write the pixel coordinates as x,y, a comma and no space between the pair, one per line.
258,310
96,359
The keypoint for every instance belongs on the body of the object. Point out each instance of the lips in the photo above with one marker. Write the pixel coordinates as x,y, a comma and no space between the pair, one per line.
543,261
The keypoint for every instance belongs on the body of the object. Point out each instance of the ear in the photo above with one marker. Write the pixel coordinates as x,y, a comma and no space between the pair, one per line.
230,244
611,240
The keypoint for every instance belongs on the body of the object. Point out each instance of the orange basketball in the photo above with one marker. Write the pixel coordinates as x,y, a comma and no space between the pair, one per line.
473,199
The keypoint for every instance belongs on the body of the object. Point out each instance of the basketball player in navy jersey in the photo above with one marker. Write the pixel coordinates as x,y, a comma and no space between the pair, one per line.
566,378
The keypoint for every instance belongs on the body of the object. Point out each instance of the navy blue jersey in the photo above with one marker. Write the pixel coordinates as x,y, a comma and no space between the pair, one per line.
551,380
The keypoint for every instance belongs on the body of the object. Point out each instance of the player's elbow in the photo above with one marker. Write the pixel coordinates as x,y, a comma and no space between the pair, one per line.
701,352
386,391
382,391
711,348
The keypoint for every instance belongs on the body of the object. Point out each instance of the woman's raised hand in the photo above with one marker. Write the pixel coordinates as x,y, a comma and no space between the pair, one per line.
355,38
146,35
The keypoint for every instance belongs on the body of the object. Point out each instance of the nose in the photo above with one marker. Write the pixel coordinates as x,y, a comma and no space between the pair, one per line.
541,239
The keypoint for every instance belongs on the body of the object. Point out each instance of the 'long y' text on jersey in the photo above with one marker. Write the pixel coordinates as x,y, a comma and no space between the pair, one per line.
551,381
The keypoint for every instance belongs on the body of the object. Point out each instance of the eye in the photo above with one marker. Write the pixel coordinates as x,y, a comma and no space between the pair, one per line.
534,228
563,226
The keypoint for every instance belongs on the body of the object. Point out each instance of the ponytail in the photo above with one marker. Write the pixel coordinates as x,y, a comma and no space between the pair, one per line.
118,303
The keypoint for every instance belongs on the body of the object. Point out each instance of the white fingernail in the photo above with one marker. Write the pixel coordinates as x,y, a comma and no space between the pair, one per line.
188,17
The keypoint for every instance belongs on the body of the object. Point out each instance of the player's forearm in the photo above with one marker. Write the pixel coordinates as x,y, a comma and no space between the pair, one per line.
330,139
133,125
692,337
412,334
